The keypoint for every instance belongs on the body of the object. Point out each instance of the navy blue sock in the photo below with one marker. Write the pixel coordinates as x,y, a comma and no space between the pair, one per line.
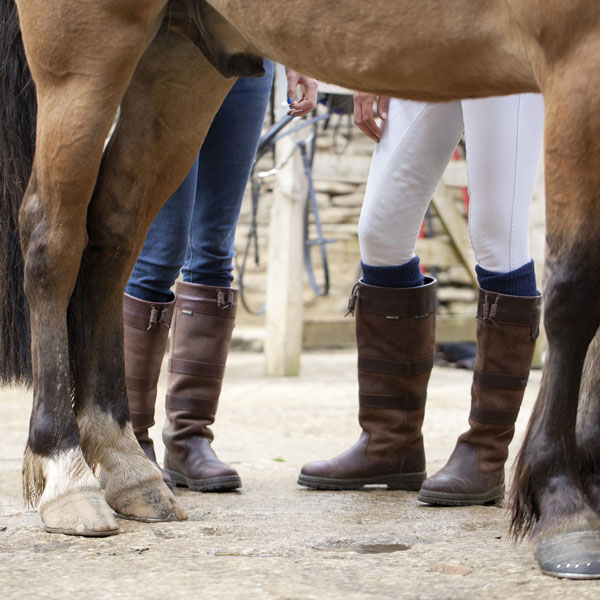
401,276
520,282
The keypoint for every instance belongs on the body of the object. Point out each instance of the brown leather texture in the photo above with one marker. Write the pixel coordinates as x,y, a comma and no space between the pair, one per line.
395,335
355,464
506,337
395,324
203,325
504,347
146,330
461,474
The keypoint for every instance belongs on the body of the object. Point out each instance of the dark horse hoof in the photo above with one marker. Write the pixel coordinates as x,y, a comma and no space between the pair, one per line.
572,554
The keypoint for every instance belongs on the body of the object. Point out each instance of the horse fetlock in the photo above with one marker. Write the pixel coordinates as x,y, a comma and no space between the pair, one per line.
48,477
563,507
591,487
134,484
112,446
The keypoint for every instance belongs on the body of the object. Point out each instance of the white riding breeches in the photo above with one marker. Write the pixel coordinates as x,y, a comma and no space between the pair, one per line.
503,137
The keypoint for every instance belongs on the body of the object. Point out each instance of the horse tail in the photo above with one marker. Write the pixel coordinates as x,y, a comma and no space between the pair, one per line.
17,144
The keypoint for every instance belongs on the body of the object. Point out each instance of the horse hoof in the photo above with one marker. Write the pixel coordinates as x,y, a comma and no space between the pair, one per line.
79,513
571,554
151,503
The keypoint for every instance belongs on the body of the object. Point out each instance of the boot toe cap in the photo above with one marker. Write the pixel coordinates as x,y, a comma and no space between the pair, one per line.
317,468
446,482
208,470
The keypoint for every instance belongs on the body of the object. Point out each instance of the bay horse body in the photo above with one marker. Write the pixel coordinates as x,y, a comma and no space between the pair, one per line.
85,212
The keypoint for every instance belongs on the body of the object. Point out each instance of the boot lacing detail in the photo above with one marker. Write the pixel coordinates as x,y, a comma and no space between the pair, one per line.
221,303
158,316
353,298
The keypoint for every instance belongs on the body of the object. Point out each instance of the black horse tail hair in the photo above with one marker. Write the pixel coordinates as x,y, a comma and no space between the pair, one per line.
17,144
523,509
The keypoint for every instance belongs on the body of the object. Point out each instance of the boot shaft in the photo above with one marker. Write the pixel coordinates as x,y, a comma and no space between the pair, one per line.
395,335
507,330
146,330
203,324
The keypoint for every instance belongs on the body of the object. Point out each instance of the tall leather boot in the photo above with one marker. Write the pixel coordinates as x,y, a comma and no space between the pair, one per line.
395,335
146,330
204,321
507,329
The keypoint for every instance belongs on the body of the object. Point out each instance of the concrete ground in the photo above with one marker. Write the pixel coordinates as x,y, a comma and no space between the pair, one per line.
275,539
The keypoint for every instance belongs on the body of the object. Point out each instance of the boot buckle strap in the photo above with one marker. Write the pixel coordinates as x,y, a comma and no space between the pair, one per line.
196,404
397,402
378,365
196,368
141,384
500,380
493,417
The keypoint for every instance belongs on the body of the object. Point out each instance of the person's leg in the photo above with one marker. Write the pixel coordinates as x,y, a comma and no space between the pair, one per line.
164,250
225,163
206,305
503,145
394,304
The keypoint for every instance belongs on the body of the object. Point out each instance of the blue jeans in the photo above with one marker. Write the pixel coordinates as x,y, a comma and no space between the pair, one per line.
195,229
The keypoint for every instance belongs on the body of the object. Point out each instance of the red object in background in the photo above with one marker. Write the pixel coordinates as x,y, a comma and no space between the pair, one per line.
464,190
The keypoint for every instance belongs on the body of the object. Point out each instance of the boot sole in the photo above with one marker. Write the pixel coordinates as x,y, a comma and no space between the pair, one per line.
405,481
212,484
494,496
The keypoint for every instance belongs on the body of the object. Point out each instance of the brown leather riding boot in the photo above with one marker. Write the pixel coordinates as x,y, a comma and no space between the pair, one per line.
204,321
507,328
146,330
395,335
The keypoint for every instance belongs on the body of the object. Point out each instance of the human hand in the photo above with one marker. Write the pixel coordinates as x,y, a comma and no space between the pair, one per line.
308,100
364,117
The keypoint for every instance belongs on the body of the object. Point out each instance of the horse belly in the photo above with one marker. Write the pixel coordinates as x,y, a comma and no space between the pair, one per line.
431,50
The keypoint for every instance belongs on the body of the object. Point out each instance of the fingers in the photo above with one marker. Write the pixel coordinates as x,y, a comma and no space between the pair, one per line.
292,84
364,118
308,101
383,106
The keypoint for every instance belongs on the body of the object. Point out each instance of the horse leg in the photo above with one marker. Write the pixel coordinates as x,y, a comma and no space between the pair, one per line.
165,115
81,68
547,487
588,424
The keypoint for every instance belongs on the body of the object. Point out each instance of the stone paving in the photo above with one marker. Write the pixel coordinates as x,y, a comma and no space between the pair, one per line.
274,539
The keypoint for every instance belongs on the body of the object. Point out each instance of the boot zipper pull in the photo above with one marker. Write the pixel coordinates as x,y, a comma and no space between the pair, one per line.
485,309
221,303
489,312
153,317
494,309
164,318
352,300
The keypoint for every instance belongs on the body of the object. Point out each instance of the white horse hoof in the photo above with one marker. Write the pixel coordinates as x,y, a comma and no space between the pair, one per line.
77,512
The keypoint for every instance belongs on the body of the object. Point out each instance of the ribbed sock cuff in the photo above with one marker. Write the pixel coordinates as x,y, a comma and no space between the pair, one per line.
401,276
520,282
